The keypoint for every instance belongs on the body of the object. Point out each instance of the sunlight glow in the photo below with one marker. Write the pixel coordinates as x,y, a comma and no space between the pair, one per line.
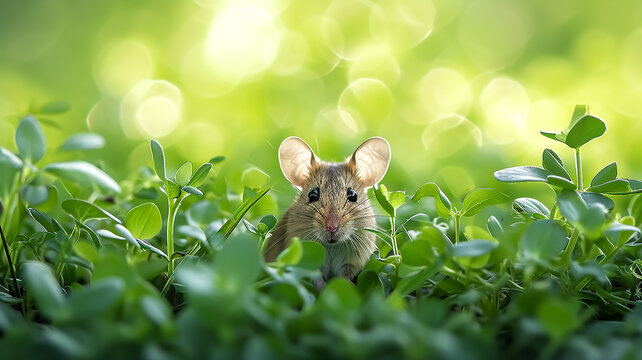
152,108
122,65
243,41
505,104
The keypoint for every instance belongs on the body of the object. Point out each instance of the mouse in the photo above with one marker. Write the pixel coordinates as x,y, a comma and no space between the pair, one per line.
331,207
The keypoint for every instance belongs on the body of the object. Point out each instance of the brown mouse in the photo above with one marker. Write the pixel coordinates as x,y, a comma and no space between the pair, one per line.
332,207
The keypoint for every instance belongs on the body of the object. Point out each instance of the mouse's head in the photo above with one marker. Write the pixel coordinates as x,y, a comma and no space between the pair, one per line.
332,205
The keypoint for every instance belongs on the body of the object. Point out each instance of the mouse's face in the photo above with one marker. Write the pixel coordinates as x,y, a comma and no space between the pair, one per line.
332,206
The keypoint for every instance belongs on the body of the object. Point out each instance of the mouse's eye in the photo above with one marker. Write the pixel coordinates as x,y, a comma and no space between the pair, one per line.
352,195
313,195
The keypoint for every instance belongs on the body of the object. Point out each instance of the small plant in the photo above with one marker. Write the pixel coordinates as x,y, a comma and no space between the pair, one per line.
176,190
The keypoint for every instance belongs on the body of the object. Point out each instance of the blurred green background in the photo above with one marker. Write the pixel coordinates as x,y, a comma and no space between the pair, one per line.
459,88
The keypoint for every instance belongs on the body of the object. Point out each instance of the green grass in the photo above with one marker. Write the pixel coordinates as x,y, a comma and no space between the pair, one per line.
92,266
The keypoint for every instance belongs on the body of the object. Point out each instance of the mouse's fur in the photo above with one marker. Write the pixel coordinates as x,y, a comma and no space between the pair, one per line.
349,247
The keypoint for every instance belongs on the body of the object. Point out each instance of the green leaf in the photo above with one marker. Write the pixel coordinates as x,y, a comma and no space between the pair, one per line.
411,283
231,223
54,108
591,198
200,175
435,237
553,163
495,228
159,159
91,232
473,248
584,130
127,235
269,221
589,219
478,199
312,256
30,139
369,282
238,262
616,228
108,234
11,158
381,194
192,190
554,136
86,251
578,112
217,159
83,210
84,141
522,174
43,288
608,173
157,310
613,186
171,189
34,195
183,174
591,222
543,240
558,317
100,296
144,221
532,207
560,182
442,203
396,198
82,172
293,254
43,219
571,205
340,296
52,200
418,253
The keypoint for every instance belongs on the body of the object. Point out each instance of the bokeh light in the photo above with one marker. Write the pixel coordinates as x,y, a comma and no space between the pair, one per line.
450,134
366,100
243,41
152,108
450,83
122,65
443,91
505,105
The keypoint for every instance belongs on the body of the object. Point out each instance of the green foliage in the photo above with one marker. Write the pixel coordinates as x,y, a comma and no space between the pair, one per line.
83,173
86,141
558,271
144,221
30,139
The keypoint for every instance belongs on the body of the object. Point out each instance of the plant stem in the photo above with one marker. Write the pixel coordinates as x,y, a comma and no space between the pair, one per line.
553,210
578,168
395,248
5,219
173,209
457,218
566,258
13,272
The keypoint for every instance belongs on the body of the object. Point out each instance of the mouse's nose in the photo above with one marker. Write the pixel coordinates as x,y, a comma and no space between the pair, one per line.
332,222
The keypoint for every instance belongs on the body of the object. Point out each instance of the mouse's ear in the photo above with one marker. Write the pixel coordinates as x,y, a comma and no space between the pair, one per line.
371,160
296,159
